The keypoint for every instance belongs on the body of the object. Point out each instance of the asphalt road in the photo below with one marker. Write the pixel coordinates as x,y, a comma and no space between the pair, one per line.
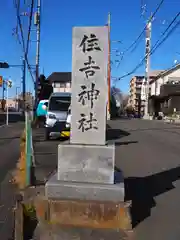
148,153
14,117
9,155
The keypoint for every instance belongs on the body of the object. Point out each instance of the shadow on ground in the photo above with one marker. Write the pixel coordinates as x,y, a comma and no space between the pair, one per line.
113,134
13,118
141,191
125,143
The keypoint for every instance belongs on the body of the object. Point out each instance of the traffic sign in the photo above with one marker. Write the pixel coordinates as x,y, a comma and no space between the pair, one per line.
9,83
1,81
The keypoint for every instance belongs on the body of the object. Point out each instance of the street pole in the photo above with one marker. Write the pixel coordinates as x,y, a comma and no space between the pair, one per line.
37,47
109,69
147,66
17,102
3,95
7,107
24,82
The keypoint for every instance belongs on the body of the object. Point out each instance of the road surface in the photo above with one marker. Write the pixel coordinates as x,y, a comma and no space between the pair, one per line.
148,153
13,117
9,154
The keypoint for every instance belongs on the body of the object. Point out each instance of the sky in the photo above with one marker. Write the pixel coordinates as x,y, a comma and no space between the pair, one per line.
59,17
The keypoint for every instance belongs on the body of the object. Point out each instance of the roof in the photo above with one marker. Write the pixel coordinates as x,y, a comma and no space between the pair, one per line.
61,94
152,74
155,73
60,77
170,70
166,72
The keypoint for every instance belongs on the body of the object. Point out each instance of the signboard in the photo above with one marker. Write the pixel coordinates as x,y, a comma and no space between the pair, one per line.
89,85
1,81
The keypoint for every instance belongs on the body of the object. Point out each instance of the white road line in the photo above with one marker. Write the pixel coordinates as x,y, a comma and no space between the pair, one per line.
5,125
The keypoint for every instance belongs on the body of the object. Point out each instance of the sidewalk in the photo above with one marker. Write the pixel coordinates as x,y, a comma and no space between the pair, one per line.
9,150
45,153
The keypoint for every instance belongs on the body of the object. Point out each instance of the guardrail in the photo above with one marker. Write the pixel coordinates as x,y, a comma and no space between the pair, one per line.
24,168
28,147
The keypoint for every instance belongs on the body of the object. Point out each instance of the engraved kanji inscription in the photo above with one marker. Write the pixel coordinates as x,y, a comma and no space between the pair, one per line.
87,122
90,43
90,67
88,95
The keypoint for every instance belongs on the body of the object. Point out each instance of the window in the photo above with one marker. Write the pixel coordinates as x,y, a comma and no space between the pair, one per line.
59,103
63,85
68,85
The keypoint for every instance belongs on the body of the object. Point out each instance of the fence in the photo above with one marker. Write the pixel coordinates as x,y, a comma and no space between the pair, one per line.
23,174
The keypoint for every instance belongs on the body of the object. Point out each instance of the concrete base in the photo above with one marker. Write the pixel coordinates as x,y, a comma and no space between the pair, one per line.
86,163
47,232
56,189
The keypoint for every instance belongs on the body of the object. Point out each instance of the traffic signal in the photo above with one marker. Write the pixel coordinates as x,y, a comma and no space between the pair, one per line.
42,79
1,81
4,65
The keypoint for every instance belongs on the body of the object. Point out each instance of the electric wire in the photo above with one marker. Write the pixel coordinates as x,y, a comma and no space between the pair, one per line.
158,43
22,41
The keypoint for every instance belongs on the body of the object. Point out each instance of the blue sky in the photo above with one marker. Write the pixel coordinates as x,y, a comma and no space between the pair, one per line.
58,18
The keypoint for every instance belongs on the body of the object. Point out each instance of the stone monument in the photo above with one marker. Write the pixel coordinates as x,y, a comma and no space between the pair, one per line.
87,158
86,164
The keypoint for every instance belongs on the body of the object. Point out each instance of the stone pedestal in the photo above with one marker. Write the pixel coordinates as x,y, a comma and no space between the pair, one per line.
56,189
86,163
83,192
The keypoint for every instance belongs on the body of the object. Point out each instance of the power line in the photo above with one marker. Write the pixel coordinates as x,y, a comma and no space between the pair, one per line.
136,41
30,24
142,32
22,42
156,45
159,43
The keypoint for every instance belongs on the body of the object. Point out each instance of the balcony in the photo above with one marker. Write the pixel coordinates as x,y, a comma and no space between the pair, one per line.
170,89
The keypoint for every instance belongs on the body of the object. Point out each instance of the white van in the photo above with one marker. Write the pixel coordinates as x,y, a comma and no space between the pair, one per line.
68,120
57,113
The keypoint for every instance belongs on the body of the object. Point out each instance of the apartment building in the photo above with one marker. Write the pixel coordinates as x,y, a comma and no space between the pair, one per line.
135,92
136,98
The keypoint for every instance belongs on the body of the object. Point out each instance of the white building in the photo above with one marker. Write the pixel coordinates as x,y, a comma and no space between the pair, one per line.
169,76
165,92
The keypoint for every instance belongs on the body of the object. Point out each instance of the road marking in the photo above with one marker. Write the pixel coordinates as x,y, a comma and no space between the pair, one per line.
5,125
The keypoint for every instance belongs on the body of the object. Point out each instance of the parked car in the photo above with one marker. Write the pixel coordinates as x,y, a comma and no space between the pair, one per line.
56,116
68,120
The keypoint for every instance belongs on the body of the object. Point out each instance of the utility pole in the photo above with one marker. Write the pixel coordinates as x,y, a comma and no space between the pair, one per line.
7,101
147,65
17,99
24,82
37,23
109,69
3,93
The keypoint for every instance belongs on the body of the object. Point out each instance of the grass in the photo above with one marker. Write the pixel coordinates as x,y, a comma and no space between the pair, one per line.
20,172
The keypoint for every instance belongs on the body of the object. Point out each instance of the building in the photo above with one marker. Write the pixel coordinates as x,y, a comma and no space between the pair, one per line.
135,92
165,92
61,81
136,100
11,103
